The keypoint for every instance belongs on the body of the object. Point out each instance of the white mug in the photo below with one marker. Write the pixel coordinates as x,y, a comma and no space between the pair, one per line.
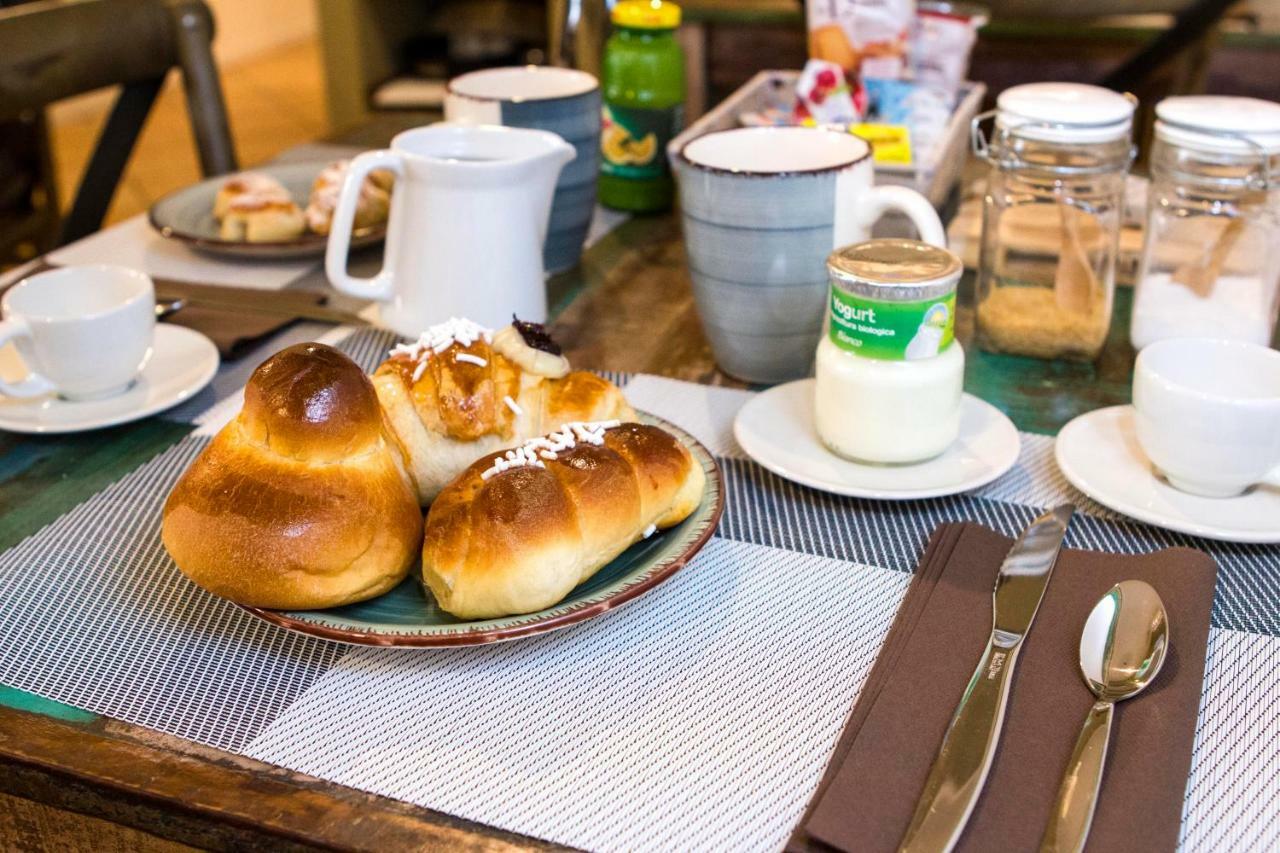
468,217
84,332
1207,414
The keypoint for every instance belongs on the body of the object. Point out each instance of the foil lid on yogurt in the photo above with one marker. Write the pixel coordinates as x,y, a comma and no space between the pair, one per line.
895,270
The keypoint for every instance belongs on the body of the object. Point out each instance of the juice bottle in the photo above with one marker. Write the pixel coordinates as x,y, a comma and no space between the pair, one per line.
643,106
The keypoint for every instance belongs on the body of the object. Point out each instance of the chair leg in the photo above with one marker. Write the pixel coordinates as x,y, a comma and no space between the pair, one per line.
1191,25
115,144
193,29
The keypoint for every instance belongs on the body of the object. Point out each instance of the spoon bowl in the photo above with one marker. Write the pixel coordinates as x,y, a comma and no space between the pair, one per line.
1124,641
1122,648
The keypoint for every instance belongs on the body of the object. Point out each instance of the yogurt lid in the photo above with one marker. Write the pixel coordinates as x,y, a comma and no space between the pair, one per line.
1220,123
1064,112
895,270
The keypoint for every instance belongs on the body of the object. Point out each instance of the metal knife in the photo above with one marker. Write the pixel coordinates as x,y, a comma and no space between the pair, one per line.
964,759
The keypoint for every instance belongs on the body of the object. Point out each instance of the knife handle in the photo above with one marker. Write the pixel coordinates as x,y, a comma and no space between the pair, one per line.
1078,796
964,759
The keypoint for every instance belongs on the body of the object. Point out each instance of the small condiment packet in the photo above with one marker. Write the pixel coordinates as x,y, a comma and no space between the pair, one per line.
824,95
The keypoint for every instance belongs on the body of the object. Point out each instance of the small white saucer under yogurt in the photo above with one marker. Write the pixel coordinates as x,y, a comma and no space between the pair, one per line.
886,415
776,430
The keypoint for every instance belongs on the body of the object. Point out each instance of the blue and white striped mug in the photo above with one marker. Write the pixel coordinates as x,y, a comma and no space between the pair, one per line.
762,208
563,101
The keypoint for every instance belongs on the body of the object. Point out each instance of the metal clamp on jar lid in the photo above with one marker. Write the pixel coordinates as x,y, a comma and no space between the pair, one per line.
1056,113
1239,129
893,300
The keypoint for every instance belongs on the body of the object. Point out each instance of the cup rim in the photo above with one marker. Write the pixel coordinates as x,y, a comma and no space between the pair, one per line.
57,272
683,155
450,87
1141,365
552,141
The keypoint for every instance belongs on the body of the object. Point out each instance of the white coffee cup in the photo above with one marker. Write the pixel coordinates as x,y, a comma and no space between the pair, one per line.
83,332
1207,414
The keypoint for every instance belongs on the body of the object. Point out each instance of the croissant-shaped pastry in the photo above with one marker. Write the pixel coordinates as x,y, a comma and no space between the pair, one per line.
462,391
516,532
303,500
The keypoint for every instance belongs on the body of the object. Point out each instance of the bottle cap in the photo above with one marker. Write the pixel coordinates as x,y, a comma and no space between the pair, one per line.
646,15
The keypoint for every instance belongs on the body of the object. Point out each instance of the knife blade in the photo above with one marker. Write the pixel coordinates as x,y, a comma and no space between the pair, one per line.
960,769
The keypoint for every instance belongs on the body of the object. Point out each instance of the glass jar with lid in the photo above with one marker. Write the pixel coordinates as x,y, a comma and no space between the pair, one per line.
1059,156
1211,257
889,373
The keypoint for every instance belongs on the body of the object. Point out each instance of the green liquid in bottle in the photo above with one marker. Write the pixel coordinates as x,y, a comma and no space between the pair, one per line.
643,106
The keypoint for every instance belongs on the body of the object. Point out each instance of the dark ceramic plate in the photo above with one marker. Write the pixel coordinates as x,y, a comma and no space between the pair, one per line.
409,616
186,215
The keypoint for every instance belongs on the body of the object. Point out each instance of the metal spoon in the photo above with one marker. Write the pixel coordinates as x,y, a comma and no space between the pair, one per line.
1121,651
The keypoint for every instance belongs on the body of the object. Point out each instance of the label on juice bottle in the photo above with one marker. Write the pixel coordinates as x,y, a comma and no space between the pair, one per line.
633,141
892,331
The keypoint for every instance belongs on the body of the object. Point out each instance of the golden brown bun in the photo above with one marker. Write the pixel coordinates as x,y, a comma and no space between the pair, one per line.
257,219
255,184
521,540
455,411
302,501
373,205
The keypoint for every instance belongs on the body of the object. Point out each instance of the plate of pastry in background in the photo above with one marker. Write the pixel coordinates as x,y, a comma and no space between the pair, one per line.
474,489
281,212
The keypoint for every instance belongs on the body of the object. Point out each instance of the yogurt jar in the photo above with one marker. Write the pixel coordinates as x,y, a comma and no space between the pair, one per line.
890,373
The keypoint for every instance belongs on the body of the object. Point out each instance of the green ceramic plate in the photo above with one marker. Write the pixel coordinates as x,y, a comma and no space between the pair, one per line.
186,215
409,616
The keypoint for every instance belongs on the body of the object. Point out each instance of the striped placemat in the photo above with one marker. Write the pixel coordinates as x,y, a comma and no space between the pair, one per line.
685,720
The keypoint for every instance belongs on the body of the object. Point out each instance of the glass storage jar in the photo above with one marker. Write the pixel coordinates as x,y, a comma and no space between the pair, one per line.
1059,155
1211,258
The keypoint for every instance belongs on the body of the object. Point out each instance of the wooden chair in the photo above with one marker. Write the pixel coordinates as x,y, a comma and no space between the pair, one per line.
53,49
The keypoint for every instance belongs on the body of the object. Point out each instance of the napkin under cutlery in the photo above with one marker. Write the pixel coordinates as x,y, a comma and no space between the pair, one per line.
877,771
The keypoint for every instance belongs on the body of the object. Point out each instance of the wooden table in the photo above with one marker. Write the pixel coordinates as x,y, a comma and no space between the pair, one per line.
95,783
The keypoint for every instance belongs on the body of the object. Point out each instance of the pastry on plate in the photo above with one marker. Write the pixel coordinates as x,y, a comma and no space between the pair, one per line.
303,500
247,184
372,207
517,531
260,219
461,391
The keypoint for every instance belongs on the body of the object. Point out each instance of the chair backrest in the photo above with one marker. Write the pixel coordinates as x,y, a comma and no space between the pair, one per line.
53,49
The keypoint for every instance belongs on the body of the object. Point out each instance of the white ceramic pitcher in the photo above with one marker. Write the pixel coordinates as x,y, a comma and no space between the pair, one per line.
468,217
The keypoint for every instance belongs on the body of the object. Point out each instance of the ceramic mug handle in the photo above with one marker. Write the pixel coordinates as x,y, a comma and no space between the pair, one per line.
872,203
35,384
382,286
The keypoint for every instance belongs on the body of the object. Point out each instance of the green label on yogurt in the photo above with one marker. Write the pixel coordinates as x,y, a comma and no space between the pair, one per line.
892,331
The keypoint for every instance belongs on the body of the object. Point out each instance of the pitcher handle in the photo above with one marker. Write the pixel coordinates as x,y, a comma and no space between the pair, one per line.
34,385
381,287
875,202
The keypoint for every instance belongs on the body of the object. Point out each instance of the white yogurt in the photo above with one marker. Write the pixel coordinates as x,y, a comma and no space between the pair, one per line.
888,411
889,373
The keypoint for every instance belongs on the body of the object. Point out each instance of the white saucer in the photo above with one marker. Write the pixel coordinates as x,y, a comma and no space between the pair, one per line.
182,362
1099,454
776,430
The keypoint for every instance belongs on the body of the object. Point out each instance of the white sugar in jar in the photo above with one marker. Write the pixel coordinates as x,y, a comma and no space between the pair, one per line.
890,374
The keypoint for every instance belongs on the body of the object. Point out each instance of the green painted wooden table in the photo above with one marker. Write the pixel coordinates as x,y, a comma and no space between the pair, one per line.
628,307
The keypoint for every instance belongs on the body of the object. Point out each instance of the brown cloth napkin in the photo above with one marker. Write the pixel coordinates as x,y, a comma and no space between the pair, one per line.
868,794
240,316
232,333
